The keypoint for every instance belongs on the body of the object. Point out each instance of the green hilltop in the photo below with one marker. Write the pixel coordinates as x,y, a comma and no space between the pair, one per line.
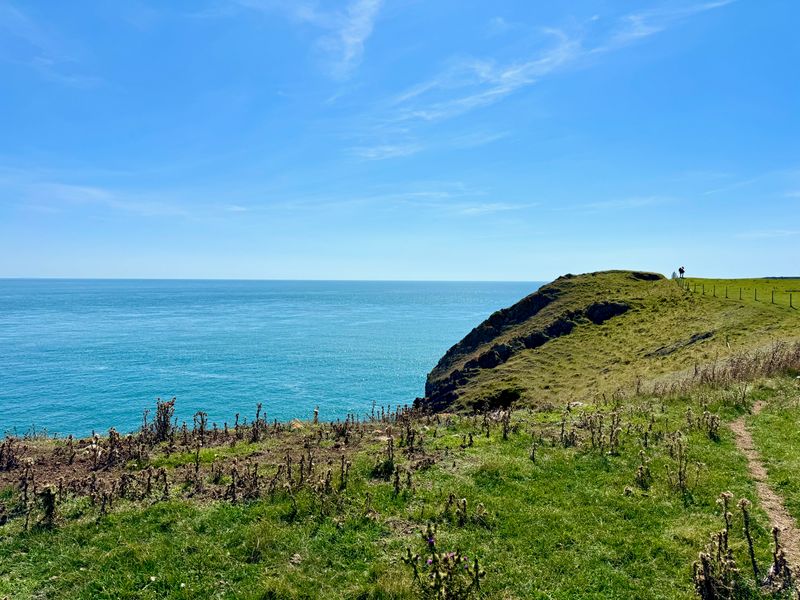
614,435
597,333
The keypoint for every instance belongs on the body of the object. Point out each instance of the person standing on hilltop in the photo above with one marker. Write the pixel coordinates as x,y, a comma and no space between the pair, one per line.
681,271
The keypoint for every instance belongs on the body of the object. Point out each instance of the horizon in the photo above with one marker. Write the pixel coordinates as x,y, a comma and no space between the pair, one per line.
223,279
385,140
274,280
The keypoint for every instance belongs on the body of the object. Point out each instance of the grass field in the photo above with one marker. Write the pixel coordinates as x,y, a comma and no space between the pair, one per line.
778,291
574,523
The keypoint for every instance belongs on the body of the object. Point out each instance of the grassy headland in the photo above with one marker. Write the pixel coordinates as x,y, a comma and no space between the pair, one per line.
600,481
562,343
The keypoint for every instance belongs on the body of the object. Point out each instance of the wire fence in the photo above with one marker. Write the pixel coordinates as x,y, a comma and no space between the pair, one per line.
790,298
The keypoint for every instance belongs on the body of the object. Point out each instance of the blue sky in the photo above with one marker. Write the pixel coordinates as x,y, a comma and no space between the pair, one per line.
398,139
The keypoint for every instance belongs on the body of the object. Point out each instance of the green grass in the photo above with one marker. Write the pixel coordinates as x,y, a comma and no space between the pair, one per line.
600,359
778,292
560,528
207,455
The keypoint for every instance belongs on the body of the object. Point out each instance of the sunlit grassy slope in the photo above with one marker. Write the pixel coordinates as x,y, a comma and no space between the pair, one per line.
571,524
654,338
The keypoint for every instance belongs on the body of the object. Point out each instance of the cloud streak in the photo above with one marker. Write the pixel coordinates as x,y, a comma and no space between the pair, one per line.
345,32
59,195
767,234
477,210
476,83
384,151
471,84
638,25
24,42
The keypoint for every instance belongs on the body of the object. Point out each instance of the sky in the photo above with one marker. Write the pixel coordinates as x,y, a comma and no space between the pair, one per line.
398,139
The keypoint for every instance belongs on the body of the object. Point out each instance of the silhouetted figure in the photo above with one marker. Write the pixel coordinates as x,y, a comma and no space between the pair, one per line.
681,271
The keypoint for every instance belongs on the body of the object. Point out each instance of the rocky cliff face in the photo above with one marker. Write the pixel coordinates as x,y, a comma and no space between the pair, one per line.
552,312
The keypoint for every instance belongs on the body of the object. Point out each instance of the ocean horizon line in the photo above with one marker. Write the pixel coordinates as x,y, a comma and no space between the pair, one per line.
277,280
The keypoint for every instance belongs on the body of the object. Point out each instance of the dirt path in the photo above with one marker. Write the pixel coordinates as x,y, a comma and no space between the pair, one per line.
771,502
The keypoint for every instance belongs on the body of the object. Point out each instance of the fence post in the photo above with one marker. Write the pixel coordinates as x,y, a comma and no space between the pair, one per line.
726,291
755,294
740,293
773,296
704,289
715,290
791,300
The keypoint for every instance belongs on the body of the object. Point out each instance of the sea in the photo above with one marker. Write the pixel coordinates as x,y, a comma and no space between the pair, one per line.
78,356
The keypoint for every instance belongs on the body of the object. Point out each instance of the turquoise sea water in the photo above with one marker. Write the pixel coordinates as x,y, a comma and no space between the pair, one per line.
83,355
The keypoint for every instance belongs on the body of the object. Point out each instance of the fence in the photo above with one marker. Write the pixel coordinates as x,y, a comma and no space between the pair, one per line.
732,292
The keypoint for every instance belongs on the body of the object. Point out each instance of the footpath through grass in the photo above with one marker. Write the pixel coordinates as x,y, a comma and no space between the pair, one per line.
776,431
612,501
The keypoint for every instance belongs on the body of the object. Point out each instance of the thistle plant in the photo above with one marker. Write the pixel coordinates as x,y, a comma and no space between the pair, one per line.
679,477
396,491
716,575
255,430
200,425
344,472
162,427
643,476
711,422
70,450
95,450
48,500
443,575
506,421
461,512
386,467
8,454
779,576
614,432
744,505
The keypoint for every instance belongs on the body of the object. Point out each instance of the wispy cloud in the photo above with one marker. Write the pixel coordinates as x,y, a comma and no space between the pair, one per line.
620,204
642,24
476,83
345,32
768,234
444,197
490,208
473,83
734,185
384,151
348,39
59,196
480,138
397,149
23,41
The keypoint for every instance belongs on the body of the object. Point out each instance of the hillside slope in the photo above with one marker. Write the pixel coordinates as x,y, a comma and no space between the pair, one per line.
594,334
